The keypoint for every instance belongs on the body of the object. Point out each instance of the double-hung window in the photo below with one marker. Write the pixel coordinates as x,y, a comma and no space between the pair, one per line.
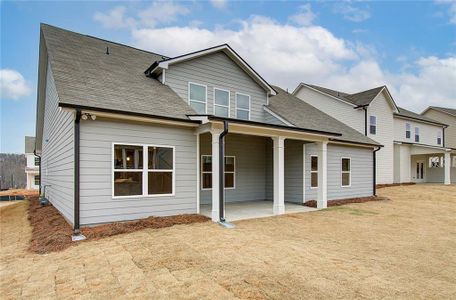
197,97
313,171
37,161
417,134
206,172
143,170
408,130
242,106
345,171
373,125
221,102
36,179
439,137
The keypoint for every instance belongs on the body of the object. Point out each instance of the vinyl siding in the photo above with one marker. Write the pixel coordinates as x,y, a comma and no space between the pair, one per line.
293,171
402,167
57,152
268,118
428,133
381,108
219,71
333,107
450,132
97,204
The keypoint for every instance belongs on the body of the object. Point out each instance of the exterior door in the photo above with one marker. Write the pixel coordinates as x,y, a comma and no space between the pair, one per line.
419,171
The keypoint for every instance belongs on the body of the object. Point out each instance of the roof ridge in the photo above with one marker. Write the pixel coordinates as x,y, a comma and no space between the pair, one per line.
104,40
368,90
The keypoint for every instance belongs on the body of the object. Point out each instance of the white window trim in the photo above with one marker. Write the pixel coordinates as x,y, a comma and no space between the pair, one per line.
192,100
349,172
439,136
145,171
371,124
207,172
219,105
417,130
410,125
310,181
250,104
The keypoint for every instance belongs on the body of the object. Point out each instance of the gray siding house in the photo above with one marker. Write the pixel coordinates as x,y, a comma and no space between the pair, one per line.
126,134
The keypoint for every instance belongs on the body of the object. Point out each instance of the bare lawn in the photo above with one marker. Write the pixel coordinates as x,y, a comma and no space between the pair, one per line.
402,248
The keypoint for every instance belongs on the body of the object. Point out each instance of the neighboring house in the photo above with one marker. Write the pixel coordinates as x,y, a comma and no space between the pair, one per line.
448,116
125,134
32,168
414,148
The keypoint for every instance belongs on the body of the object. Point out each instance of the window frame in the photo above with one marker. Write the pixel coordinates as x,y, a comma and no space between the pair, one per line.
372,125
342,172
439,137
219,105
311,171
211,172
417,134
205,94
145,171
37,159
237,108
409,130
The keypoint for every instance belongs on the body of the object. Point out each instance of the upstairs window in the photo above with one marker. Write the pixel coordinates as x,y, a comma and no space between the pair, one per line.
439,137
221,103
314,171
346,171
197,97
373,125
417,134
242,106
408,130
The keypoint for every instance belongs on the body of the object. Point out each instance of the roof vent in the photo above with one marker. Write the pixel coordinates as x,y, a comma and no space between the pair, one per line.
107,50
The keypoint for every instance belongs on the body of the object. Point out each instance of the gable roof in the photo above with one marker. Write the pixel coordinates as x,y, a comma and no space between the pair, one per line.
304,115
411,115
447,110
87,76
29,144
159,65
360,99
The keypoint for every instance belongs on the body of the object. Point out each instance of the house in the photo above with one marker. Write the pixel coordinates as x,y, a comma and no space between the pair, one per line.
32,164
448,116
125,134
414,145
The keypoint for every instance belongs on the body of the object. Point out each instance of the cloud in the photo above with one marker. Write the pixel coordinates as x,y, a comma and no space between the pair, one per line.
351,13
219,3
13,85
114,19
451,10
305,17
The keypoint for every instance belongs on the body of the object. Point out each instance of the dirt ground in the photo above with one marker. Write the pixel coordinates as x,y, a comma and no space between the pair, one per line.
403,248
22,192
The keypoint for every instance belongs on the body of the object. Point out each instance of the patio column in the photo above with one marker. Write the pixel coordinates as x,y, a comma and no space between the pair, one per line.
279,199
215,175
322,195
447,167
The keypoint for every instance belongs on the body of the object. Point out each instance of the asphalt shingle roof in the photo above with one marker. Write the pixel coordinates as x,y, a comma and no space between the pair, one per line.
86,76
410,114
451,111
304,115
29,144
358,99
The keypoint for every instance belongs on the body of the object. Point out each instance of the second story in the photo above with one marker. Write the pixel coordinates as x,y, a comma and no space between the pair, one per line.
375,114
33,162
448,116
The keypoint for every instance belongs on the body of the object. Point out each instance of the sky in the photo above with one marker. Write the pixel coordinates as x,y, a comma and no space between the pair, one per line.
348,45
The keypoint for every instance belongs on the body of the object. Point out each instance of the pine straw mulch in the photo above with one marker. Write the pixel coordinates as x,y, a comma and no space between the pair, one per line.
19,192
379,186
313,203
50,231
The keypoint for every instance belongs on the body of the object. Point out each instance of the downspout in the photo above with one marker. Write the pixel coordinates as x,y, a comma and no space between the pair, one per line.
443,136
374,181
76,230
39,171
365,120
222,171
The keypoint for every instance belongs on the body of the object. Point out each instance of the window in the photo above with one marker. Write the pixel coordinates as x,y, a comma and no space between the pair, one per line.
37,179
206,172
313,171
143,170
221,102
408,130
346,171
435,162
37,161
242,106
373,125
439,137
417,134
454,162
197,97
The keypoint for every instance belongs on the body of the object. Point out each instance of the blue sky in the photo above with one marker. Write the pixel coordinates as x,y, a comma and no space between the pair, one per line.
351,45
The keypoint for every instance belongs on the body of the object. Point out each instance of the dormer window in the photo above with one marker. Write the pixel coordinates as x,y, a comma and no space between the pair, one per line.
373,125
439,137
221,103
197,97
242,106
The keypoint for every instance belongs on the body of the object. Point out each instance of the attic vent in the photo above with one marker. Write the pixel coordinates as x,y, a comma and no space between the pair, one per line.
107,50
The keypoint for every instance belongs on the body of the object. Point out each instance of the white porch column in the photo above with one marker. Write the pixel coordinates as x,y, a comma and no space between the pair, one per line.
215,175
447,167
322,197
279,168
